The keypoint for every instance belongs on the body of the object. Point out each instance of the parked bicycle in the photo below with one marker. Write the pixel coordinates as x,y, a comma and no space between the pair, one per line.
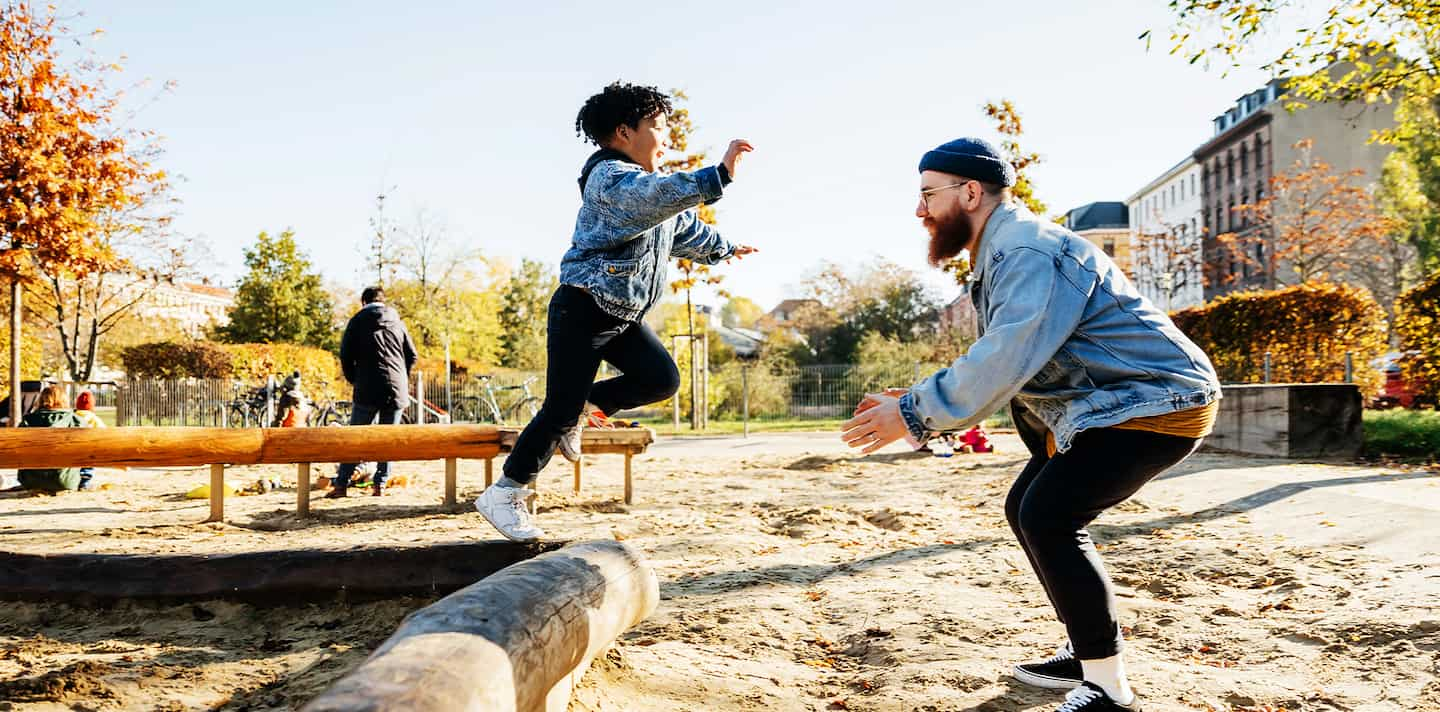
487,408
328,412
246,408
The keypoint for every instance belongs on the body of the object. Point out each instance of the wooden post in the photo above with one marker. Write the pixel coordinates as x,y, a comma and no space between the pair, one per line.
516,640
489,471
302,489
628,489
451,465
15,395
217,493
577,477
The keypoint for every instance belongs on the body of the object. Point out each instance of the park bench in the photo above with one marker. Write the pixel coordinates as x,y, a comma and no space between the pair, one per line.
593,441
218,447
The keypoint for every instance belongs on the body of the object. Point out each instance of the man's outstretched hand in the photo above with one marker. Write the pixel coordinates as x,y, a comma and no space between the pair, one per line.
877,423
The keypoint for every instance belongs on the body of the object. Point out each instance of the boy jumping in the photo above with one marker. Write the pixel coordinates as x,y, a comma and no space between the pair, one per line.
632,220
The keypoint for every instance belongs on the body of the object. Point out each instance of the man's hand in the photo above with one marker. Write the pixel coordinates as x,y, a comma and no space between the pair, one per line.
731,161
868,401
876,425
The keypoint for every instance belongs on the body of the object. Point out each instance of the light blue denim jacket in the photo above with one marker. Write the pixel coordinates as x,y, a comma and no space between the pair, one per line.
631,222
1065,334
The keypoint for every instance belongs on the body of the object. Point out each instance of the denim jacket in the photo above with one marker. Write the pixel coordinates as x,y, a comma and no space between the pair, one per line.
1065,334
631,222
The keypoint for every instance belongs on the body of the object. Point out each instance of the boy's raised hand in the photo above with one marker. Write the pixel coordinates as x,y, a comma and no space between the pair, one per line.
731,161
741,251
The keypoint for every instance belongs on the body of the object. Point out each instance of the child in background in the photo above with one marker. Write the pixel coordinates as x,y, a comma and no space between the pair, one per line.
85,412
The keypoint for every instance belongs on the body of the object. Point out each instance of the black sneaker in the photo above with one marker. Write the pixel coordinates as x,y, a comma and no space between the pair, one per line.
1089,698
1061,672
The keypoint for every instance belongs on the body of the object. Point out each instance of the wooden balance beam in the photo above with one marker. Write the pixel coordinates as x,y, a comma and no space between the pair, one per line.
516,641
34,448
593,441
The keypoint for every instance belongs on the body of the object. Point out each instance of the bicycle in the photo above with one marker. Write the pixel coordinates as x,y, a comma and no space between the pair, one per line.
325,413
486,408
244,411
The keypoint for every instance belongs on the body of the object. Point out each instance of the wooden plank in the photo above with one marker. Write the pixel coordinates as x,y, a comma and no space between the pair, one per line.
284,576
577,476
173,446
518,640
128,447
302,489
451,475
217,493
378,443
489,471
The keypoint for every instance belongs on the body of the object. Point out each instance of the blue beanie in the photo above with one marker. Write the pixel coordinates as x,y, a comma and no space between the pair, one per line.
970,158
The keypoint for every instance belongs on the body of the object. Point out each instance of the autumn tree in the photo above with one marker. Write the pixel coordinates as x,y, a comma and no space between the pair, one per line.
692,274
1167,261
740,312
523,314
1312,224
66,159
84,310
1338,50
280,298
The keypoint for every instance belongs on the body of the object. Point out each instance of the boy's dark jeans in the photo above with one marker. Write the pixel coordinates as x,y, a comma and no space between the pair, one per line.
580,337
368,415
1055,498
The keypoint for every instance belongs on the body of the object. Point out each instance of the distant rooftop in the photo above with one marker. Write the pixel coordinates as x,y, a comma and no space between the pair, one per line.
1109,214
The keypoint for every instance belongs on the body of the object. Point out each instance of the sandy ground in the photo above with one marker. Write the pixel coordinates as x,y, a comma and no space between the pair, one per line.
798,576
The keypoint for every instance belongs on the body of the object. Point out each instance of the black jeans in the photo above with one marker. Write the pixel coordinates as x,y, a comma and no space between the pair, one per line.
1055,498
368,415
579,337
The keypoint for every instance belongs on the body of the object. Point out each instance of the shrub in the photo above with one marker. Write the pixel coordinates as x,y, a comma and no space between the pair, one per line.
1307,329
1417,321
319,369
177,359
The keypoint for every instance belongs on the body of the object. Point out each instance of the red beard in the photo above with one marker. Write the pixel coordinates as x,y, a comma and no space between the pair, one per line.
948,237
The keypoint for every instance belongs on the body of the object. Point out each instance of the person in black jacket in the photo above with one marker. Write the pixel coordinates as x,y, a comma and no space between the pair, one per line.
376,354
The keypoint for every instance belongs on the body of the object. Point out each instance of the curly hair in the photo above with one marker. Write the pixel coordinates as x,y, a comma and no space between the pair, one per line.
620,103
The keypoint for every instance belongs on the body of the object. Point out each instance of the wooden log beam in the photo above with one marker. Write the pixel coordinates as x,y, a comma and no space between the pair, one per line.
284,577
516,641
173,446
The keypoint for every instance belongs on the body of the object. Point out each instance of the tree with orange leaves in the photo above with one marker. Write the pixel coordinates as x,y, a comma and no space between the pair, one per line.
64,164
1312,225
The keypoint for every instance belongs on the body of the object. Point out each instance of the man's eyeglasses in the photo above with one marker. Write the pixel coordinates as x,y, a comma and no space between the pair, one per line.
928,192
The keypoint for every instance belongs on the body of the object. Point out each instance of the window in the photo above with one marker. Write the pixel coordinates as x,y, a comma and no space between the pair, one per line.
1110,246
1244,161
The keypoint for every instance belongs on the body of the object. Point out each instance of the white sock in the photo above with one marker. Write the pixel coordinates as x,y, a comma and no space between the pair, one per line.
507,482
1109,675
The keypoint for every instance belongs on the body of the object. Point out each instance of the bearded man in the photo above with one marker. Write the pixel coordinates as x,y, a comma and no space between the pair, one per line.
1105,392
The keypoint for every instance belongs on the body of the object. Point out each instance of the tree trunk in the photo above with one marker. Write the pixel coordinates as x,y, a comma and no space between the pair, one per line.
15,395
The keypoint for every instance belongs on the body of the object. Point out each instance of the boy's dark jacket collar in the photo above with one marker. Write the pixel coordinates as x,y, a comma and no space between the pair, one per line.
596,158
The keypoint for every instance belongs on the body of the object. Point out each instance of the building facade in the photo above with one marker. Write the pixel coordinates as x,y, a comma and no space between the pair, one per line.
1107,225
1166,246
1254,140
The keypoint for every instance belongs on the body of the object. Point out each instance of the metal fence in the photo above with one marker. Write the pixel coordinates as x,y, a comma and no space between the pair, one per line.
191,401
736,391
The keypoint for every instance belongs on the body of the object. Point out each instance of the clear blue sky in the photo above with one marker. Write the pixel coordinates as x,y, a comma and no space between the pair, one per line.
291,114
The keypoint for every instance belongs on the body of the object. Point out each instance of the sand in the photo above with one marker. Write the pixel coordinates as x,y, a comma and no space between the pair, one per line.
798,576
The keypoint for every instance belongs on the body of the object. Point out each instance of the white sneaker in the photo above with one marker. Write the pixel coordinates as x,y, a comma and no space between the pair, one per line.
504,508
569,443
